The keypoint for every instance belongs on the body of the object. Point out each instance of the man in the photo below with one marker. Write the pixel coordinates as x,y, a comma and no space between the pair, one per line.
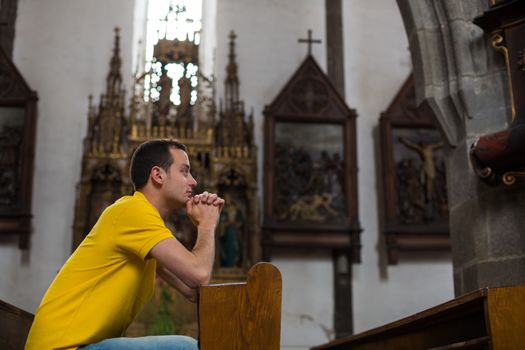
109,278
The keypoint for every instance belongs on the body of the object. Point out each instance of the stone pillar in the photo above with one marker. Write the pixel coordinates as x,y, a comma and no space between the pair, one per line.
461,81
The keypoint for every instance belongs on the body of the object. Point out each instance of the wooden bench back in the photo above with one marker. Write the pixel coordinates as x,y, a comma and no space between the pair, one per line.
242,316
488,318
14,326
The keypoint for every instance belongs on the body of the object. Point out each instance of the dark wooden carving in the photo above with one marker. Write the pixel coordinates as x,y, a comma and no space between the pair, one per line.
105,161
17,145
499,157
7,25
413,171
310,167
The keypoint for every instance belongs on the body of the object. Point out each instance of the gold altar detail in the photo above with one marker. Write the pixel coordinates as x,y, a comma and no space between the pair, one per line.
221,149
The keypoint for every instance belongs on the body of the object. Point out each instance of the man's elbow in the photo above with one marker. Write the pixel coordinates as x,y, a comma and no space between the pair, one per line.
200,279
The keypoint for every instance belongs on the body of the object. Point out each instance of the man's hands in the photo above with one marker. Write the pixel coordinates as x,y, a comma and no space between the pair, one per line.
192,268
204,210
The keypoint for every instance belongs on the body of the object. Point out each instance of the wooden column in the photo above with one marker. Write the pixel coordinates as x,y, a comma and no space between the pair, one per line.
7,25
334,45
343,320
342,261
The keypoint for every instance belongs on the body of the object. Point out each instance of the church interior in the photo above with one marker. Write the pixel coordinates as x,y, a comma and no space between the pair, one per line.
371,150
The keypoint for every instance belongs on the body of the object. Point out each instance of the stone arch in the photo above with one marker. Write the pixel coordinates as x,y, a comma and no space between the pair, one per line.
458,76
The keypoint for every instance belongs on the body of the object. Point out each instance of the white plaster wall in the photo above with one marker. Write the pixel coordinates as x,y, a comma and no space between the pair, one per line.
307,309
377,62
140,17
62,48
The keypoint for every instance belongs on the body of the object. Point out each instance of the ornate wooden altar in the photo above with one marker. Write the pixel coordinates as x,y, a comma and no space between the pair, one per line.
221,150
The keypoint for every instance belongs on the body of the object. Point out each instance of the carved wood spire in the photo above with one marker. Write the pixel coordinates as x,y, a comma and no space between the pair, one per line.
114,79
231,83
106,135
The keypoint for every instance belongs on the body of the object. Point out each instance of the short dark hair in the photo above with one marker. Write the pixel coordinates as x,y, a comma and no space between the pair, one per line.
149,154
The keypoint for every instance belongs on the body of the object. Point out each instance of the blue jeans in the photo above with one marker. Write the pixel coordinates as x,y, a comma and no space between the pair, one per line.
158,342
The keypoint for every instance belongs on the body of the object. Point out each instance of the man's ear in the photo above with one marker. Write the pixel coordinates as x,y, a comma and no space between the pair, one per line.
157,175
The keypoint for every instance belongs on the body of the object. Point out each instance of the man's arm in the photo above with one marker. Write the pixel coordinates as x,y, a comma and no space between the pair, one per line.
194,267
175,282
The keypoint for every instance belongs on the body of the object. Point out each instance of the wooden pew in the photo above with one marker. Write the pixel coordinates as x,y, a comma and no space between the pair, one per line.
14,326
232,316
242,316
489,318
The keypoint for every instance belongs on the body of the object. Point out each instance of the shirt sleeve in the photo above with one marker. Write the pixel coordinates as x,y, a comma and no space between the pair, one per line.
140,228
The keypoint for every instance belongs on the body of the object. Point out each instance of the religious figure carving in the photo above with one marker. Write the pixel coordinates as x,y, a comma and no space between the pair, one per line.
421,186
310,208
426,153
308,189
410,195
184,110
230,241
164,103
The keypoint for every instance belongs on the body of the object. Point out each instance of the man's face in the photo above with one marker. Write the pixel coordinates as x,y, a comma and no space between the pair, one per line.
178,187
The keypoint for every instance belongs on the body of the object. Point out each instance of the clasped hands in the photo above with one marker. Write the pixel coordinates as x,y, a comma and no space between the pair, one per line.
204,208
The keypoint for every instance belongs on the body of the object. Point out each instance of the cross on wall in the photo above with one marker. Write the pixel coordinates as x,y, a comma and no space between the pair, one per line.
310,41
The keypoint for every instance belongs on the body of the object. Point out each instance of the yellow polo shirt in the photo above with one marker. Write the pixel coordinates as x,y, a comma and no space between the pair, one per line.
105,283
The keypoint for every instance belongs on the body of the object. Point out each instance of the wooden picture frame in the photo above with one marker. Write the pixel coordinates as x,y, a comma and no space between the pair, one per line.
17,147
414,180
310,167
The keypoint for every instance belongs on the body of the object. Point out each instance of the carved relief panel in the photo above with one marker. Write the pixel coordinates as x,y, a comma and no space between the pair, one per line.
17,145
414,179
310,167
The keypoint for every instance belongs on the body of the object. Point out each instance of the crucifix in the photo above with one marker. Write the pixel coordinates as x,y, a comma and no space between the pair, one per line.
310,41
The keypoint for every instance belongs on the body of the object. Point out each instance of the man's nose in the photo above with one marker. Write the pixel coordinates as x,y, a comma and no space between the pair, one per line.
193,182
